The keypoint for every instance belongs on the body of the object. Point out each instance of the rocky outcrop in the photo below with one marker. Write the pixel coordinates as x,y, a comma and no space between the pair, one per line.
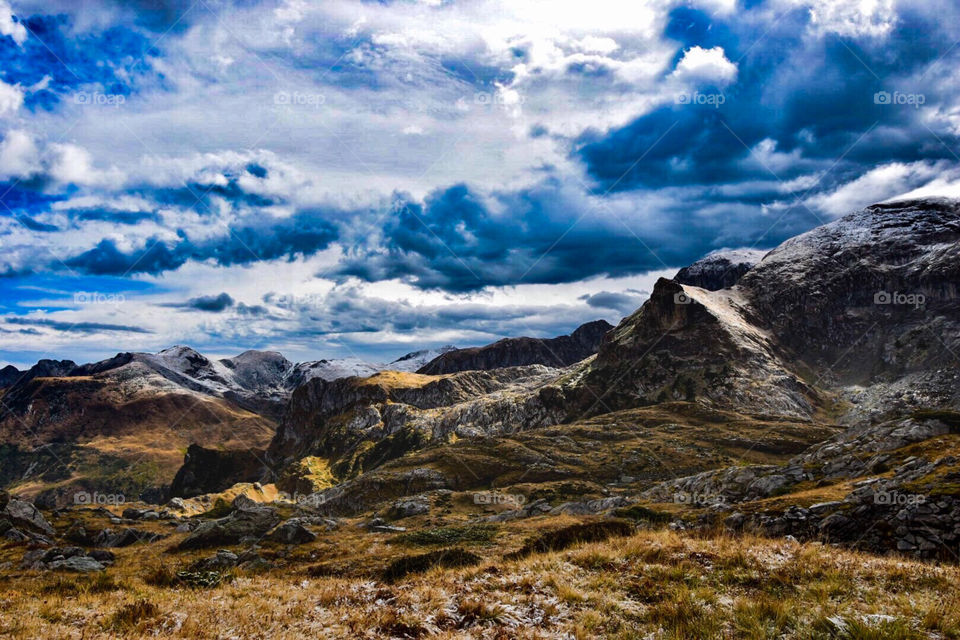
232,529
371,489
212,470
687,343
719,270
513,352
358,423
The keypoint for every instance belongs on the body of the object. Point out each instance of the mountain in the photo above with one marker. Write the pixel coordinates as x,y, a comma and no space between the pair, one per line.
719,383
416,360
869,300
515,352
720,269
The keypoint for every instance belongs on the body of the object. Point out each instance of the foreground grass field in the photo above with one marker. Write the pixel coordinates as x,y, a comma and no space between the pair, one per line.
649,584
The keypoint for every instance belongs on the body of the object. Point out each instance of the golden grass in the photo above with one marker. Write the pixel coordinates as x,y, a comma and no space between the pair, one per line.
655,583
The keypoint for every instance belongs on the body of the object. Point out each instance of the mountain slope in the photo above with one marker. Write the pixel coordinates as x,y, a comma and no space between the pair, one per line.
514,352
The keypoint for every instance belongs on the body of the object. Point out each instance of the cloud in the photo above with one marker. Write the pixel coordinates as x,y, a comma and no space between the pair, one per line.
11,99
706,65
10,26
212,304
623,302
74,327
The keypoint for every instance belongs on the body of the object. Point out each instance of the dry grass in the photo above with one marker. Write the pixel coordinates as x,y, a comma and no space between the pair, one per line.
654,583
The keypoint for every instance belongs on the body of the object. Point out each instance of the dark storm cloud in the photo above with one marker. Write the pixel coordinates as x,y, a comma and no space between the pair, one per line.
75,327
212,304
303,233
623,302
812,96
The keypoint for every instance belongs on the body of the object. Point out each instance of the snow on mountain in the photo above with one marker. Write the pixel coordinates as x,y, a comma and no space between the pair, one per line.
417,359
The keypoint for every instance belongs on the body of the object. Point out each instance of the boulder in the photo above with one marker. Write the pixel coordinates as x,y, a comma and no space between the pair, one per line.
124,537
26,516
292,532
224,559
77,564
409,507
246,523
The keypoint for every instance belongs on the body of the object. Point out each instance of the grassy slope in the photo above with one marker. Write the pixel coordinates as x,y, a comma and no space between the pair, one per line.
709,586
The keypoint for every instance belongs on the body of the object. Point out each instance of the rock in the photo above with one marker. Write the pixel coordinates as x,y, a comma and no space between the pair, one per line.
102,556
124,537
183,528
243,502
224,559
132,513
409,507
257,564
176,504
4,499
246,523
291,532
15,535
77,564
386,528
24,515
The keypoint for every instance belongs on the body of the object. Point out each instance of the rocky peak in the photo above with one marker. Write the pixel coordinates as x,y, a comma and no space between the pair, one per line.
720,269
687,343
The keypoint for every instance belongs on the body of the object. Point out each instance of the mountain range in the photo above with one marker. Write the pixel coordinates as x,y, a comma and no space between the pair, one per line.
797,374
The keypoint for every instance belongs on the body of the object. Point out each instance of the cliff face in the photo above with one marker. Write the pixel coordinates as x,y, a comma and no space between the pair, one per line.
870,297
514,352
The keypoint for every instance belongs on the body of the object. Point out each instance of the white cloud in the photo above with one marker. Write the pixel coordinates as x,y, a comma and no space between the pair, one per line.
11,99
706,65
879,184
8,26
852,18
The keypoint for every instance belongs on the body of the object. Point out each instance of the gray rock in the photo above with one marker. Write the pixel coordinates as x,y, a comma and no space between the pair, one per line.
176,504
26,516
409,507
241,524
291,532
77,564
224,559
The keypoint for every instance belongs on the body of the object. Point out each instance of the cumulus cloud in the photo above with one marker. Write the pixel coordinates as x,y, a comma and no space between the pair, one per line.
706,65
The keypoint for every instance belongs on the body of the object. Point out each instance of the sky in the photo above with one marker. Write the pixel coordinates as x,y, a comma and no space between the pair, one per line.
366,178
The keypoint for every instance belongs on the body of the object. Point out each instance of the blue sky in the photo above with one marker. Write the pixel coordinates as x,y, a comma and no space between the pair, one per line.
360,178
